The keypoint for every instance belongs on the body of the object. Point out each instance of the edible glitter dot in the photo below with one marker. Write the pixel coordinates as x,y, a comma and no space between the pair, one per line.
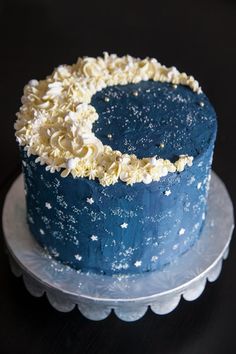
161,145
106,99
109,136
202,104
175,86
135,93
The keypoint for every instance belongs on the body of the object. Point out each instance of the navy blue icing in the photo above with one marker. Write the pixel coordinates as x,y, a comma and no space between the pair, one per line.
159,114
160,227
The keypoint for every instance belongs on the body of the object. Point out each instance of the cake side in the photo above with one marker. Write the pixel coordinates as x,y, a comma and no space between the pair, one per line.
116,229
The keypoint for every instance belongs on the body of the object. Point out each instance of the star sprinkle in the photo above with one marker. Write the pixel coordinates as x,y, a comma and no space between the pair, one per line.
78,257
94,238
138,264
154,258
168,192
181,231
124,225
90,201
48,205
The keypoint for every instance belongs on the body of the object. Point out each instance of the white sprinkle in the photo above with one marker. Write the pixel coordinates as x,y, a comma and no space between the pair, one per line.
94,238
199,185
191,180
42,232
175,247
203,216
90,200
78,257
24,163
154,258
124,225
168,192
138,264
48,205
182,231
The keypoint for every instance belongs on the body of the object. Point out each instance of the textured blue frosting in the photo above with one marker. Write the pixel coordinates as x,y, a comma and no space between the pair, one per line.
162,219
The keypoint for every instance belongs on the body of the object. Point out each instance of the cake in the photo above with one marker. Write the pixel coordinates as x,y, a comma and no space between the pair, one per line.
116,155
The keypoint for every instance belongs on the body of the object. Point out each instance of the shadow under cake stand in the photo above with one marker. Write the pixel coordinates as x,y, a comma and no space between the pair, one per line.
129,296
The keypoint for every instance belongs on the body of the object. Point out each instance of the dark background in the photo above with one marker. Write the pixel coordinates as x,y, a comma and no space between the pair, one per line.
198,37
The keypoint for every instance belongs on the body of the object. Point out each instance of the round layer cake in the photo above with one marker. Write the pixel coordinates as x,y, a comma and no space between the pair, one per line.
127,192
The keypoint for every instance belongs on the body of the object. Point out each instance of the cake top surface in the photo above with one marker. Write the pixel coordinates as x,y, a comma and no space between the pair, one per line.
115,118
152,118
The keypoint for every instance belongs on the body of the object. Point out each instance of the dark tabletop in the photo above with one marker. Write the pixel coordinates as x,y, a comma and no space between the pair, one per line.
198,37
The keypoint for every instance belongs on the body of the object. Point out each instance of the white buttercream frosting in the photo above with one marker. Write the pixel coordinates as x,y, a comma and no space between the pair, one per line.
56,119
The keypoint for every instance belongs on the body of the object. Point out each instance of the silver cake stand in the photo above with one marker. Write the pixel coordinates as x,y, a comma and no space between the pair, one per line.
129,296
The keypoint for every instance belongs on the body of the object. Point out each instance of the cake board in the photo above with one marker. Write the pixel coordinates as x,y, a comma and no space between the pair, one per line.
129,296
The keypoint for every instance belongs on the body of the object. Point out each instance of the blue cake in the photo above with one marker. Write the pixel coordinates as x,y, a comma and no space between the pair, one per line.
116,155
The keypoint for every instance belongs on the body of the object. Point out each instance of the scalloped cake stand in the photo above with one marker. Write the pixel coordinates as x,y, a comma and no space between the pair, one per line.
129,296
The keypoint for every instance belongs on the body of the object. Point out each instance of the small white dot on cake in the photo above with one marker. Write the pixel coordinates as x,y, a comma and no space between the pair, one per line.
24,163
94,238
182,231
48,205
78,257
42,232
124,225
175,247
203,216
167,192
199,185
154,258
138,264
90,200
